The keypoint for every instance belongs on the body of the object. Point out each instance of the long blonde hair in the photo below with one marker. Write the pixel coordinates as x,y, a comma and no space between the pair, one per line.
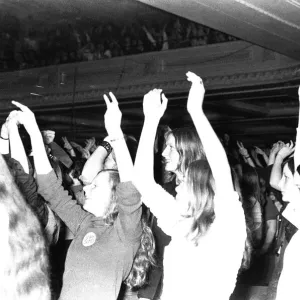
25,270
201,208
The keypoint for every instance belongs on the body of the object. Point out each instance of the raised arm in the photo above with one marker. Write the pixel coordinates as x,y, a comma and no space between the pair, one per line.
263,153
68,146
112,120
213,148
4,141
96,162
17,150
49,185
245,154
27,118
154,109
275,149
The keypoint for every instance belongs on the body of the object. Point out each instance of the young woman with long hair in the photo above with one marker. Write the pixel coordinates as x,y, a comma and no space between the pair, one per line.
111,244
24,273
206,222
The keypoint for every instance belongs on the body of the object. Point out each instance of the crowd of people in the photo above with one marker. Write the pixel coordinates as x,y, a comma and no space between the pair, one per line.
30,47
84,221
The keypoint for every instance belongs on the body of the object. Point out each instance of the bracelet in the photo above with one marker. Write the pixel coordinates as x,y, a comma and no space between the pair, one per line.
2,138
106,145
247,157
117,139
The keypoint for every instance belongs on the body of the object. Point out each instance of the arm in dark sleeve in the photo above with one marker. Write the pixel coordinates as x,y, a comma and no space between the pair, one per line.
130,211
28,188
270,210
60,154
62,203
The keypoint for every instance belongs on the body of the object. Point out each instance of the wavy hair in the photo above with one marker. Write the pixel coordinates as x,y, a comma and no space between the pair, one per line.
143,260
144,256
200,182
188,145
25,266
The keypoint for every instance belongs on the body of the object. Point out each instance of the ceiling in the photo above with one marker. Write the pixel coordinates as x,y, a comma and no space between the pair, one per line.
53,12
257,115
274,24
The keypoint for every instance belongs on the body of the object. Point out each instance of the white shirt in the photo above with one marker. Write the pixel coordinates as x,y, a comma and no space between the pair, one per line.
209,270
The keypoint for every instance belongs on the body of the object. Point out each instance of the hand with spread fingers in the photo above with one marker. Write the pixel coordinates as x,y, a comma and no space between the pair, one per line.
154,104
113,116
196,94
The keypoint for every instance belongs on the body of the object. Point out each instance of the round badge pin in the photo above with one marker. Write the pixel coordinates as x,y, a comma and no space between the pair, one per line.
89,239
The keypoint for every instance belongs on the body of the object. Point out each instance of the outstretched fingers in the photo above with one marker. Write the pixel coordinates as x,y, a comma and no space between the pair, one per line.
111,100
106,99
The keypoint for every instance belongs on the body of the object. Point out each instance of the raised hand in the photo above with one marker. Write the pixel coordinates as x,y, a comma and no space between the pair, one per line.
243,151
259,151
89,143
154,104
275,149
76,146
12,120
4,131
26,118
48,136
67,144
113,116
196,94
85,154
287,150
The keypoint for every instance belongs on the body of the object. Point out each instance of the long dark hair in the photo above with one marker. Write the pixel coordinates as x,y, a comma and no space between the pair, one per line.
249,185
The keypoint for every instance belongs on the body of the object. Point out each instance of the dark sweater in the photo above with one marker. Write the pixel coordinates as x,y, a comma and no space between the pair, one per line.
100,256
